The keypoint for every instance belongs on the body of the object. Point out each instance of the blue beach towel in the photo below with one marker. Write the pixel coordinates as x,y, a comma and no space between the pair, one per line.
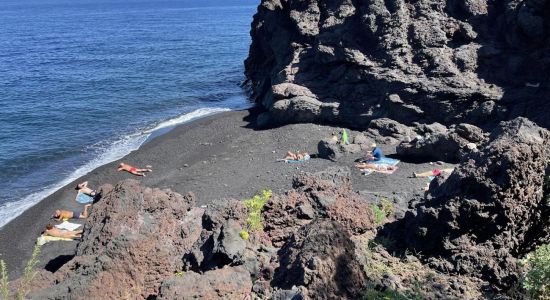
386,161
83,198
306,158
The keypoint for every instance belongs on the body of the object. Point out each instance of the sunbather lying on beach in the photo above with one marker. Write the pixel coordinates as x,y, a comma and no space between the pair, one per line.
133,170
76,214
83,188
52,231
296,156
376,167
434,172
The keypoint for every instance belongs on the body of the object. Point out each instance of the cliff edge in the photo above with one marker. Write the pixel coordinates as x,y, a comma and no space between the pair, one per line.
349,62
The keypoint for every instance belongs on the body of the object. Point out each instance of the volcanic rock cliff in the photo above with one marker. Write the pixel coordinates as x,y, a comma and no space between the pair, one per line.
348,61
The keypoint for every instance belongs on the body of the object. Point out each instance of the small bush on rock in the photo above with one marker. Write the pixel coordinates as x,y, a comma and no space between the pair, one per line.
537,279
255,205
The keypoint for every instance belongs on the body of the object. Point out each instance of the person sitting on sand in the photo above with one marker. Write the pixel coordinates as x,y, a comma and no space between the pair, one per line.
297,156
83,188
376,167
55,232
376,153
434,172
133,170
76,214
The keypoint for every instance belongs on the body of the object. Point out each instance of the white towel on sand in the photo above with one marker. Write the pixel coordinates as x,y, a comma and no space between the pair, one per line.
68,226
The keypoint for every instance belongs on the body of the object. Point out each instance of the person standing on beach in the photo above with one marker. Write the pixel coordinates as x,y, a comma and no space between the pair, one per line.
133,170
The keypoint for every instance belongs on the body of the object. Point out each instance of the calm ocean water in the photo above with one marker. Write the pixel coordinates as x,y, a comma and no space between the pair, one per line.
80,81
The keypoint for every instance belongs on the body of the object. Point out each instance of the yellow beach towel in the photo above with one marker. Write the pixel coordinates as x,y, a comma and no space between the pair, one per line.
43,239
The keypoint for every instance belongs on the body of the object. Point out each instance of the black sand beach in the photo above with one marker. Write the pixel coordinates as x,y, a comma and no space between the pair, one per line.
216,157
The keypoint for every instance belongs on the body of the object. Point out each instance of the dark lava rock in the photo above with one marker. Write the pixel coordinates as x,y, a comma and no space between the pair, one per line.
349,62
491,209
226,283
329,194
134,238
321,257
449,145
220,243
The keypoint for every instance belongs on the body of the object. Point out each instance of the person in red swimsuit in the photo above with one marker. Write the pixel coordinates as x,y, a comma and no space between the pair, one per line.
434,172
133,170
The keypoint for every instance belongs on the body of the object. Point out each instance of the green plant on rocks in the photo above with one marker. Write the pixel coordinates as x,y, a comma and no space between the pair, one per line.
255,205
29,273
382,211
537,279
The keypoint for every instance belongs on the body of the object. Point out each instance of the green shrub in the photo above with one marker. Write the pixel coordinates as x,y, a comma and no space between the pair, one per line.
4,281
255,205
537,279
387,207
379,215
244,234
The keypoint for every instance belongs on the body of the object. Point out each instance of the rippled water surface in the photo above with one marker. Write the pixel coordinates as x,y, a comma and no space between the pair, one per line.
80,81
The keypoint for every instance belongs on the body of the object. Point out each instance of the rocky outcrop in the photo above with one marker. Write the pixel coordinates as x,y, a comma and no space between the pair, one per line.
133,240
348,62
226,283
321,257
327,194
491,209
440,143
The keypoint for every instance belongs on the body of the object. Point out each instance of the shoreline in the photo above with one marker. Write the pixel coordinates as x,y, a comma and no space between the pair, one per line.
64,195
131,142
216,157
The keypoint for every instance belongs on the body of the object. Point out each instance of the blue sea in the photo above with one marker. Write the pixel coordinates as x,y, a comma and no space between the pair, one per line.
84,82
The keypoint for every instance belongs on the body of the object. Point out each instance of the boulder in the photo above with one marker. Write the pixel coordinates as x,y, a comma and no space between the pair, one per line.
329,149
134,238
439,143
225,283
321,257
328,194
491,210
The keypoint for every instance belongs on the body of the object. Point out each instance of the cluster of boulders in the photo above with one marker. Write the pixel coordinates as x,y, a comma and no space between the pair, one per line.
316,240
155,243
491,210
418,142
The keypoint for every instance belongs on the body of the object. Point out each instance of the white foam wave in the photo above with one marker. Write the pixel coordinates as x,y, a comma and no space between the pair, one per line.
117,150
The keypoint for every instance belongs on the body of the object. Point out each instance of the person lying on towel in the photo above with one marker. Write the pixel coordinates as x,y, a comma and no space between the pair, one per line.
83,188
376,167
76,214
434,172
297,156
52,231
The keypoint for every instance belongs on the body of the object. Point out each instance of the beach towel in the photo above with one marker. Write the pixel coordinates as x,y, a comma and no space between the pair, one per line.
68,226
306,158
43,239
83,198
385,161
382,170
367,171
345,137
